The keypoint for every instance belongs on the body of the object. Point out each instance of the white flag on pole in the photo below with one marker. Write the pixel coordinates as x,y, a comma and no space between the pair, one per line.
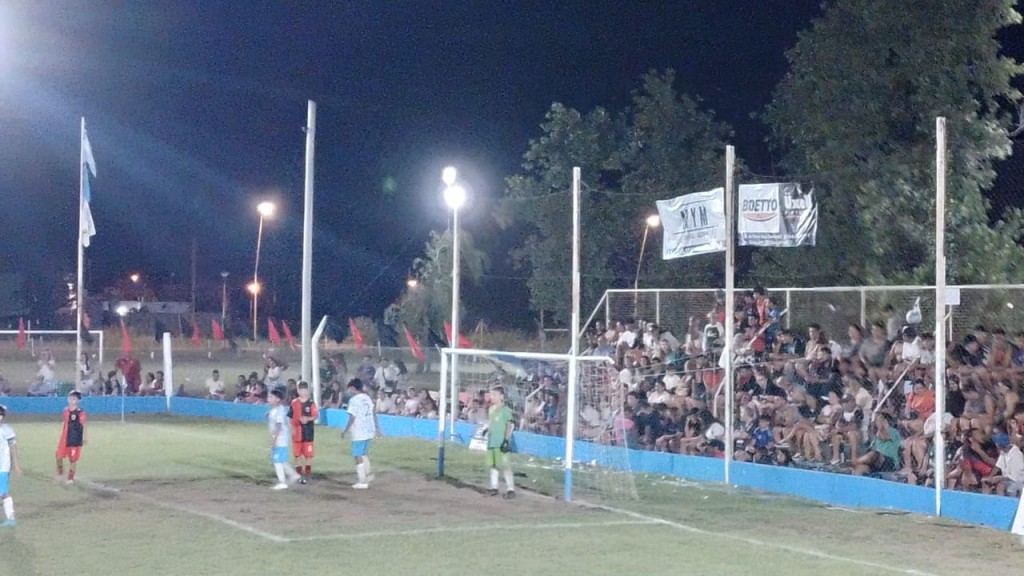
693,224
88,167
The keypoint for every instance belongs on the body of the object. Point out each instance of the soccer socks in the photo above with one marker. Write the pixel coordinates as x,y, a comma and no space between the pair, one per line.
309,471
9,508
71,474
494,478
508,479
361,472
279,470
369,468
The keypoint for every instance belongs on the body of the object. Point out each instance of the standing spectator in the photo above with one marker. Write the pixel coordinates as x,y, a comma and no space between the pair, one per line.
46,366
5,386
272,372
215,386
86,375
132,371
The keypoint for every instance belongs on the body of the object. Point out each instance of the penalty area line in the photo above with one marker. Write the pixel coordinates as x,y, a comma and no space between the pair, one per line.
208,515
473,528
757,542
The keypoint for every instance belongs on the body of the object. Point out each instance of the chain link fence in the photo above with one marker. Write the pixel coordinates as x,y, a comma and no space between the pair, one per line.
834,308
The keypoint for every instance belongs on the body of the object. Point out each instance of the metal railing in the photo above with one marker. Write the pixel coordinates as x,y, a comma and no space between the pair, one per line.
834,308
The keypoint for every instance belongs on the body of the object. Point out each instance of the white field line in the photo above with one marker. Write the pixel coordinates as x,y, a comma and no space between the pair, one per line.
756,542
209,516
455,529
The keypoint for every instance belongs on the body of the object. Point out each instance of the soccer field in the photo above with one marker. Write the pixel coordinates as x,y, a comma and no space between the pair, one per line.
170,495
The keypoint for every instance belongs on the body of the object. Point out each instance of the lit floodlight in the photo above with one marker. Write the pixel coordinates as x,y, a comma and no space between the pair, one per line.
448,175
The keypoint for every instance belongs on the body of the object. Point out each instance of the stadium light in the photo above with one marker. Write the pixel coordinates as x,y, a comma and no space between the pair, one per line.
266,210
122,310
412,283
652,221
253,288
455,197
134,277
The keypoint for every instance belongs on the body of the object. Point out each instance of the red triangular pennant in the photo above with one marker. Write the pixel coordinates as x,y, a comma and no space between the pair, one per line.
195,334
355,334
463,341
218,332
272,333
416,350
287,334
126,341
22,336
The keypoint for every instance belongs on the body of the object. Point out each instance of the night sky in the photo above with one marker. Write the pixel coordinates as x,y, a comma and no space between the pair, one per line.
195,113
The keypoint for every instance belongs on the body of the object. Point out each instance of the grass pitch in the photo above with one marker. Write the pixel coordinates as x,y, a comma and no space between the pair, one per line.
168,495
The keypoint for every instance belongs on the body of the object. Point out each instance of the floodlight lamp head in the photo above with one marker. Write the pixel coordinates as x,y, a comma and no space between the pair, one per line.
449,175
653,221
266,209
455,196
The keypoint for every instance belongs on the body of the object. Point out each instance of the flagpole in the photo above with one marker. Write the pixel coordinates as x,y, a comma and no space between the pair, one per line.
79,304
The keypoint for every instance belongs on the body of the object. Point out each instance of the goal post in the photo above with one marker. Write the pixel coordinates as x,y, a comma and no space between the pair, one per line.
21,361
563,410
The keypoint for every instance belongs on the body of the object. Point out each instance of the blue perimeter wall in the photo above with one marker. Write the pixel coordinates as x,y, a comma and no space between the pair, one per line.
836,489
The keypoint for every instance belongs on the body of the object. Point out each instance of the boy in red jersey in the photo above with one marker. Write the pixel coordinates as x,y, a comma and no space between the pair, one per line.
72,438
303,415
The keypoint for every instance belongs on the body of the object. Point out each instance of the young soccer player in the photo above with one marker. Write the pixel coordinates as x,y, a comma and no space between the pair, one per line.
500,422
277,422
303,414
8,463
72,438
362,420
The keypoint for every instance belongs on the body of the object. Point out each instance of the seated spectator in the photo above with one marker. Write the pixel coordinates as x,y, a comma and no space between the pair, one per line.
241,388
884,452
427,406
1009,477
411,406
40,387
659,395
385,404
215,386
273,371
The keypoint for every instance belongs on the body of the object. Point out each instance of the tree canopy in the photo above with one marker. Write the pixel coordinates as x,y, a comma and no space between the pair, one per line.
855,116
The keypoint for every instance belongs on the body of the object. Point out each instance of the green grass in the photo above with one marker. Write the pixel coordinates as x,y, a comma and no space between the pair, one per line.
167,495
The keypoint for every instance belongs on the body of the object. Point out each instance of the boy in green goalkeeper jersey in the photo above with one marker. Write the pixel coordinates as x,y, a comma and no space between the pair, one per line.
499,435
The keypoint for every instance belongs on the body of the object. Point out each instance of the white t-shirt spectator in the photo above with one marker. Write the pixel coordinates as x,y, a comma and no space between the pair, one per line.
385,405
655,397
715,432
364,427
1010,462
216,387
628,337
912,351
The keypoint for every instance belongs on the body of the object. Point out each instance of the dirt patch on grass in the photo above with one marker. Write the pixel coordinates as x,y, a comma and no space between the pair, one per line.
396,501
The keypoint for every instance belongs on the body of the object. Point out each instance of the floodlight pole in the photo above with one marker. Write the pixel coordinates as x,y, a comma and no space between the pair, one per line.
574,332
730,305
940,307
307,248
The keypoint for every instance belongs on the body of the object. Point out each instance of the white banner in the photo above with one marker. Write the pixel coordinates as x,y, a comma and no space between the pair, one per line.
693,224
779,215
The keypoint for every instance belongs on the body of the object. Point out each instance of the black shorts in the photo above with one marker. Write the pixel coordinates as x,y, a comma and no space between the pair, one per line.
883,464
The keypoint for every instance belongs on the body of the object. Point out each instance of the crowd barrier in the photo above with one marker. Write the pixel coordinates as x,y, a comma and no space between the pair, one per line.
835,489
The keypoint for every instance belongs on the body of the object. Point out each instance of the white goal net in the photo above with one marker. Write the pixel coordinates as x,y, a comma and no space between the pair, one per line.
537,389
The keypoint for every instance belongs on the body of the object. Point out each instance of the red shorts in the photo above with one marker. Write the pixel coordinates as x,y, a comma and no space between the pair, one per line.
302,449
980,467
70,452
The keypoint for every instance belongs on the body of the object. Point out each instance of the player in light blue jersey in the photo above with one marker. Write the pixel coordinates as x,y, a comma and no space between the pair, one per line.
280,438
8,463
362,420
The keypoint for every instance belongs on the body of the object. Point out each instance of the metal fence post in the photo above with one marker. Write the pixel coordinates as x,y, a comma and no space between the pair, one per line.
863,307
789,315
657,307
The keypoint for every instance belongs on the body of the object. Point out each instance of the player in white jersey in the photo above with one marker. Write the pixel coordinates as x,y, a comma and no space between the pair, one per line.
280,438
8,463
362,420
